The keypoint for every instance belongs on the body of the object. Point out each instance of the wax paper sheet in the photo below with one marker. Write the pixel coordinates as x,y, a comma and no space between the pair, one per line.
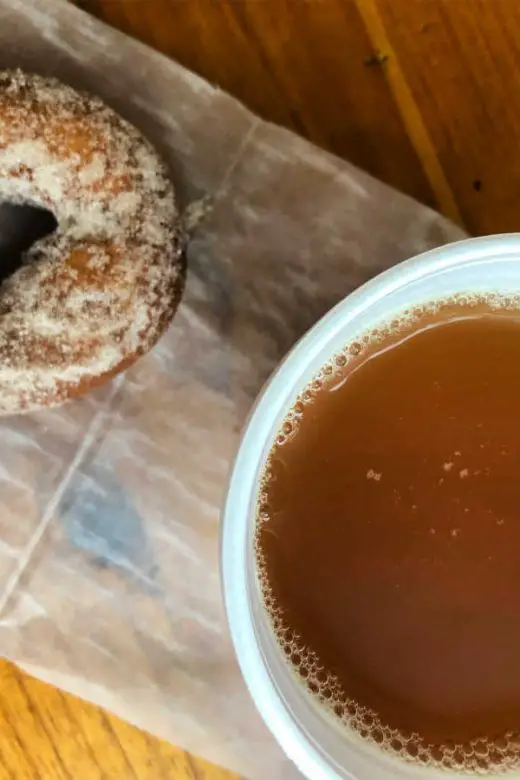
109,522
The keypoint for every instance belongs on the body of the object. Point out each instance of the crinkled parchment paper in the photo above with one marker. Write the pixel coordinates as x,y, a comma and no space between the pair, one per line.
109,522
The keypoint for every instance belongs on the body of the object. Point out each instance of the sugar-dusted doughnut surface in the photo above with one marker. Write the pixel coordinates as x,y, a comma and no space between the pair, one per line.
99,291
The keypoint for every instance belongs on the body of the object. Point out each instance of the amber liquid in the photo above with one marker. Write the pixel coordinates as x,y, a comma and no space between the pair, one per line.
390,544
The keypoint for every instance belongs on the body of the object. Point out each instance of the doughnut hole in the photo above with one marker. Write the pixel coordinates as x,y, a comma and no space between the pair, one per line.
20,228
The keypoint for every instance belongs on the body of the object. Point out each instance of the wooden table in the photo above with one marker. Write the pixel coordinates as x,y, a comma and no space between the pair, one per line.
47,735
424,94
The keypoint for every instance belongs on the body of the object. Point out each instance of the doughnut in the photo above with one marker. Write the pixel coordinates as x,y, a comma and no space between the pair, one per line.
91,297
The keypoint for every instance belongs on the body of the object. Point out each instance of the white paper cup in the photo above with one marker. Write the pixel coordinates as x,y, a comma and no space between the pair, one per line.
316,742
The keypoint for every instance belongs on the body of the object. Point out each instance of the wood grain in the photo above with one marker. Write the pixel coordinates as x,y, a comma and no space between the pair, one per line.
48,735
425,95
461,62
306,65
437,117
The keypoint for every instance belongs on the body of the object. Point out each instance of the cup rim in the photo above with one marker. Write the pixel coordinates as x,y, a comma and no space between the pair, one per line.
235,518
